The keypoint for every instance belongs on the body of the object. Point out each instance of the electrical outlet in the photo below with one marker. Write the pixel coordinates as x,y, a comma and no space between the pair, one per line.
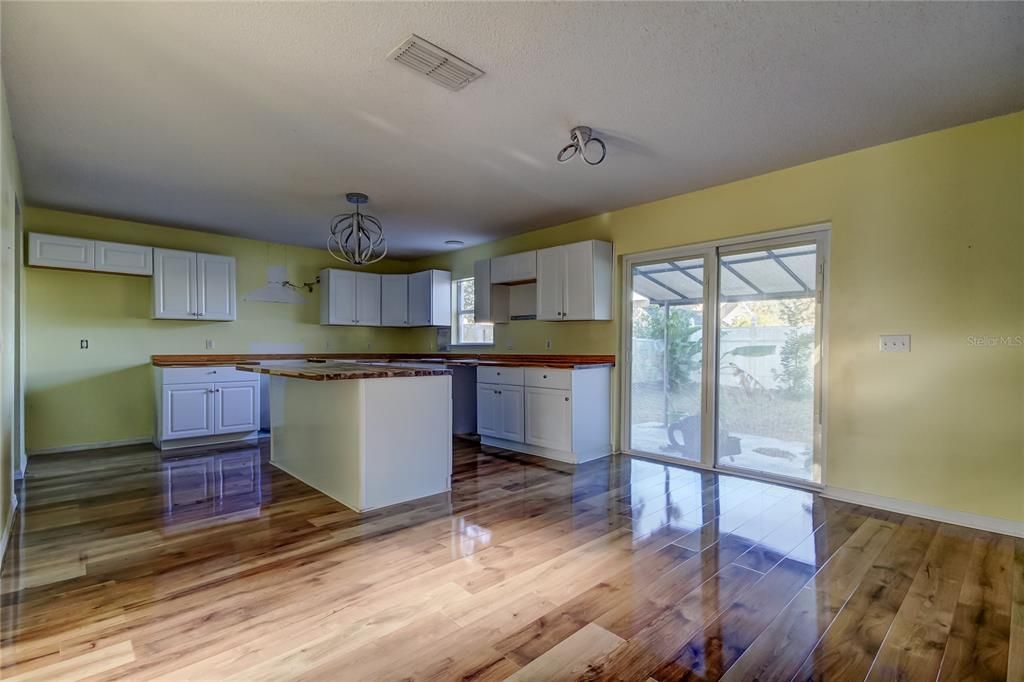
547,344
508,346
894,343
84,344
209,344
369,345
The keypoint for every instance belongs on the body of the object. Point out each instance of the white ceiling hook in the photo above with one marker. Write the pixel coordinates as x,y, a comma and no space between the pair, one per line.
585,144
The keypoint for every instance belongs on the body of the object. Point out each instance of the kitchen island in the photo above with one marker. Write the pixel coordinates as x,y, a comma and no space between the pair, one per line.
367,435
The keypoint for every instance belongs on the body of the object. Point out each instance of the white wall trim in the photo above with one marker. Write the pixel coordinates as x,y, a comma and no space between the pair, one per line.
90,446
988,523
6,534
563,456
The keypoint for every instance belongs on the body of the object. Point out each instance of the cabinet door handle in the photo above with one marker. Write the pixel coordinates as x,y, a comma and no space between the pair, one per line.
200,314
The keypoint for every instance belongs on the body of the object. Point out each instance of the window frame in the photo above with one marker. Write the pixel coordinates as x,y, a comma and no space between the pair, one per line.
457,312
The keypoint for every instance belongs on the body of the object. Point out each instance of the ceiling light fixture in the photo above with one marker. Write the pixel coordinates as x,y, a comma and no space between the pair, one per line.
582,137
455,242
357,238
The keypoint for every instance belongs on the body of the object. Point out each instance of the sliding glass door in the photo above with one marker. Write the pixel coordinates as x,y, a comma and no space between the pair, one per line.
724,351
768,339
667,357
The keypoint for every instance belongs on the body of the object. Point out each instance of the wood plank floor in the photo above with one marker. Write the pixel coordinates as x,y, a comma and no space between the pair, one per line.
215,565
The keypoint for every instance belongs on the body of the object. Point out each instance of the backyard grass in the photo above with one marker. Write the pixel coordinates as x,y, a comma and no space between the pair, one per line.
763,414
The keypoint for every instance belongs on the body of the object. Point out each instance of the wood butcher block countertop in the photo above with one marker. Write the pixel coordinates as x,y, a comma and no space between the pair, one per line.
342,371
450,359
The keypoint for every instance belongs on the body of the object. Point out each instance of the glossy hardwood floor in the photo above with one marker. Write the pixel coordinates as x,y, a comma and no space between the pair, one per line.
129,565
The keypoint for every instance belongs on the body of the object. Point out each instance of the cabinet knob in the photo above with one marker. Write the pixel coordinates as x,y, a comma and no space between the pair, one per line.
200,314
545,376
566,398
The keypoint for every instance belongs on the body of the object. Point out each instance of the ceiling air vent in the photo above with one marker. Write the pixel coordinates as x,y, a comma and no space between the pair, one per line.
440,66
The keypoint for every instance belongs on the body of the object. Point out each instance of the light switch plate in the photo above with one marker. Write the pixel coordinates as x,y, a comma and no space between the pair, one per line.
209,344
894,343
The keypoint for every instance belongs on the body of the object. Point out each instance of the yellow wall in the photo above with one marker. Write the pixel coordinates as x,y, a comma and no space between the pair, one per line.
10,187
105,393
927,239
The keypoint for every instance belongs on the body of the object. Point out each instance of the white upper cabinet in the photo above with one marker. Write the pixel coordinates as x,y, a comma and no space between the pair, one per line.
423,299
52,251
215,287
126,259
430,299
490,303
337,297
174,285
394,300
368,299
515,268
574,282
349,298
72,253
550,283
193,286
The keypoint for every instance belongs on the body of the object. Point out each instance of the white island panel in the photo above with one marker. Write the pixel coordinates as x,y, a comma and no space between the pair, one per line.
368,443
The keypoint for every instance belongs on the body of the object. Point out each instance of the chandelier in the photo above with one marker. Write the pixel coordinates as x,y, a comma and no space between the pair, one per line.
356,238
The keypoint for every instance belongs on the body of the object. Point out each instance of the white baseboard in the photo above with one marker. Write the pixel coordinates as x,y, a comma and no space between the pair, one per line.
89,446
8,527
549,453
988,523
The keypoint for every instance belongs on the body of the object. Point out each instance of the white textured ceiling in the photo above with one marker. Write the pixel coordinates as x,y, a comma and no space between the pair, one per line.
254,119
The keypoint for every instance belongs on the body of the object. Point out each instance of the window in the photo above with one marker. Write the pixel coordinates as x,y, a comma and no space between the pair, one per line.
466,330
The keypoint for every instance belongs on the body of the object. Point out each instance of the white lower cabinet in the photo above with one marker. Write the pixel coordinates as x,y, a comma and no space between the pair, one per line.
510,402
488,416
549,418
202,405
187,411
236,407
499,411
561,414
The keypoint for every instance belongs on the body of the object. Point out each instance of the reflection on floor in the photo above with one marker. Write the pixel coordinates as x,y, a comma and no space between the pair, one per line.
759,454
126,565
